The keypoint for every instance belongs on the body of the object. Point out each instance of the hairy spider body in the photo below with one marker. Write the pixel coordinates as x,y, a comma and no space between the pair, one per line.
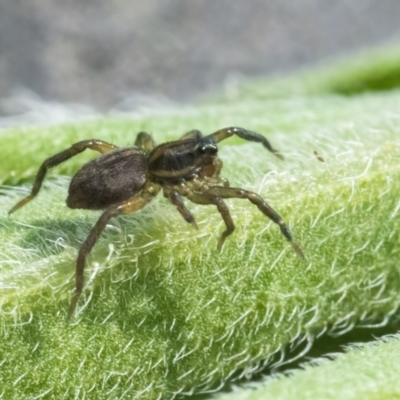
102,182
124,180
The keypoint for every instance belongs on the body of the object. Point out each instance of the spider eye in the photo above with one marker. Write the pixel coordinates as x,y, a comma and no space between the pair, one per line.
202,149
207,147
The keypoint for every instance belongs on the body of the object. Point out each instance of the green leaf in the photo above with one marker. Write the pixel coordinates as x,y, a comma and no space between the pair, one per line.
367,372
163,311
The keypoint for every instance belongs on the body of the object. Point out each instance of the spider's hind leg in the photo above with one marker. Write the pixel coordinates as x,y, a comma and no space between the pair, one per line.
128,206
93,144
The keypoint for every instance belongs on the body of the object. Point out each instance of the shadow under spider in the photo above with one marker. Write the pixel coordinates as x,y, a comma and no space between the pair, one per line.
52,237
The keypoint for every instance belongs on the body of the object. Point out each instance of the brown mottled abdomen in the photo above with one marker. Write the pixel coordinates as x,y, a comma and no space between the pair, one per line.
109,179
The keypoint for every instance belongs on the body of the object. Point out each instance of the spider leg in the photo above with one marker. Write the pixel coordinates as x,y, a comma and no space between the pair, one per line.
226,216
129,206
263,206
203,198
145,141
193,134
93,144
176,199
246,135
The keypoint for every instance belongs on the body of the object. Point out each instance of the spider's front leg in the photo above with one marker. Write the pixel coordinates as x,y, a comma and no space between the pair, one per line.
193,134
176,199
93,144
246,135
263,206
191,191
145,141
205,199
128,206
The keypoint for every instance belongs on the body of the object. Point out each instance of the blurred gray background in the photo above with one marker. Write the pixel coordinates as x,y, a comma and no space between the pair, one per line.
105,52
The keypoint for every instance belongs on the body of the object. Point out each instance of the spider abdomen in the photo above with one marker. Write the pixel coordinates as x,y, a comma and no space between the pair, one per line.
109,179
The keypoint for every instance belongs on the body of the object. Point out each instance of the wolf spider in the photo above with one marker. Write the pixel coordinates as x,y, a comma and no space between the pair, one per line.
124,180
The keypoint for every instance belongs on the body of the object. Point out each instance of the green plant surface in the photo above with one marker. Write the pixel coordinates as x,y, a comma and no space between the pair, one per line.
163,311
368,372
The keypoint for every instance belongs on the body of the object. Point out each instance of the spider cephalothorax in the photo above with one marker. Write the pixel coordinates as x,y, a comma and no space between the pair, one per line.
124,180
